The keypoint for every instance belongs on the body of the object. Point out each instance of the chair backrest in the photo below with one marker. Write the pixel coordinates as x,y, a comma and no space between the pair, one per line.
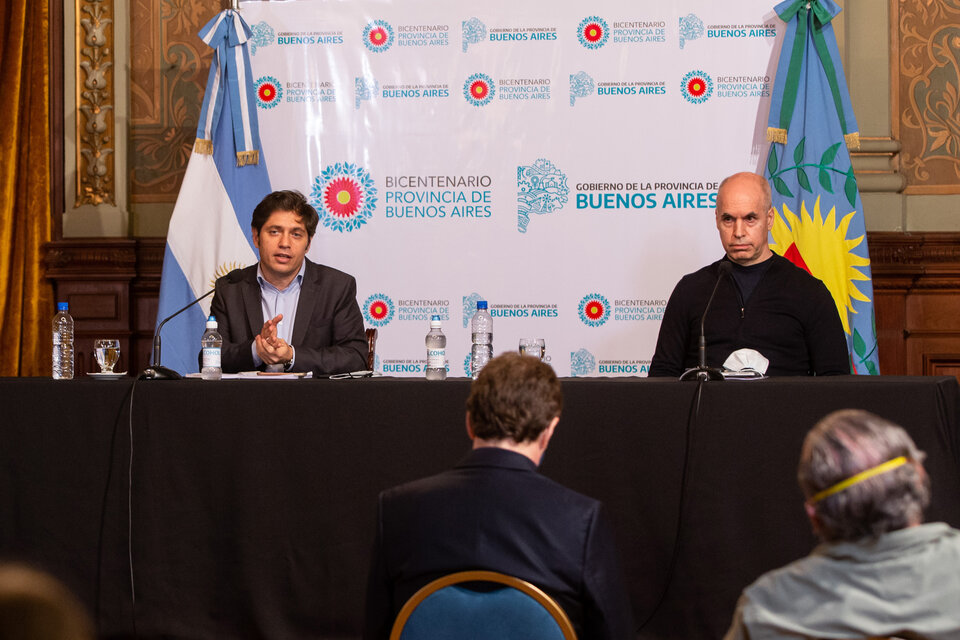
371,348
506,608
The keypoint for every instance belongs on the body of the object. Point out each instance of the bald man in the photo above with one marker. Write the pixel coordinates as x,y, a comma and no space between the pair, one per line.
763,302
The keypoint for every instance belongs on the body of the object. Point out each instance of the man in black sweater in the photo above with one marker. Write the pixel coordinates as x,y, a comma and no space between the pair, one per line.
767,304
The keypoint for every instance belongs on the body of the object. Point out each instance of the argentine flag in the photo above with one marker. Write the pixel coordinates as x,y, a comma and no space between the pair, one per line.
209,233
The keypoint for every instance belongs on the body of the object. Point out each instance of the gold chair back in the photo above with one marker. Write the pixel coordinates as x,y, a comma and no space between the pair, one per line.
548,603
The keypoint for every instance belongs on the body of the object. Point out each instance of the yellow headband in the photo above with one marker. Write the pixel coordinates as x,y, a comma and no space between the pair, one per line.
883,467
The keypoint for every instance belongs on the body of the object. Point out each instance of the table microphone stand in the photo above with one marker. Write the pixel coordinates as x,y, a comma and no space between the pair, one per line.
157,371
702,371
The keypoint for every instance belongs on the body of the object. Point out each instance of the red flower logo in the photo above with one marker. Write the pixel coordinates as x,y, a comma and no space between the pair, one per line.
266,92
379,309
343,197
593,309
592,32
479,89
378,36
696,86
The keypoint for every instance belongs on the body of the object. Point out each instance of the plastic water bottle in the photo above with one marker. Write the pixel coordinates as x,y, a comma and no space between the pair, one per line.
211,343
62,343
436,351
481,329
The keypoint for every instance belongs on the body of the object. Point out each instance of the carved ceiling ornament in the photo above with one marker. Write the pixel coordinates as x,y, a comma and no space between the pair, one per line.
928,99
95,98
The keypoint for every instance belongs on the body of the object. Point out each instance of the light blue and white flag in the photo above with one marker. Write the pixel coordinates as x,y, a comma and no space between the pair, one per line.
820,224
226,177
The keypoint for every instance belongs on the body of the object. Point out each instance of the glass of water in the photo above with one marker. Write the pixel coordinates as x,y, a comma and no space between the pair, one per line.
536,347
107,351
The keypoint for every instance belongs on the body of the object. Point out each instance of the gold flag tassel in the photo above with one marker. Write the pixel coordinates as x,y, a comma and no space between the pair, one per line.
775,134
203,146
248,157
852,140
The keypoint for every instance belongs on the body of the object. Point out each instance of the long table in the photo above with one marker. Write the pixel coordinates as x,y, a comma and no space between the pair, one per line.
245,509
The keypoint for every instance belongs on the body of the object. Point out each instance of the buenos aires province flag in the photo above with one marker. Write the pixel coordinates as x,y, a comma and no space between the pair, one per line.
819,224
209,233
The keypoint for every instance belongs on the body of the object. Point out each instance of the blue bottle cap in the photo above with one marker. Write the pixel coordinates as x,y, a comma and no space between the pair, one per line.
63,306
434,318
481,304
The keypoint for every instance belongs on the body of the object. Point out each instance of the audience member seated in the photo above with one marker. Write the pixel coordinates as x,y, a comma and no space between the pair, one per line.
494,511
880,571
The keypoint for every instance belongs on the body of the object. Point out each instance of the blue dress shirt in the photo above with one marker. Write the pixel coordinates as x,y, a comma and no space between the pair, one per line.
274,301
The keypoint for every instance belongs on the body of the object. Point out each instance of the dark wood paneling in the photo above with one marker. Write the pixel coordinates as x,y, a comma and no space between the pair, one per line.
111,285
916,284
942,364
145,292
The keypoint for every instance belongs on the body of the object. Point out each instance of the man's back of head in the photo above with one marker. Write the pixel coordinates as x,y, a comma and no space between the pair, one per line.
515,401
494,511
862,476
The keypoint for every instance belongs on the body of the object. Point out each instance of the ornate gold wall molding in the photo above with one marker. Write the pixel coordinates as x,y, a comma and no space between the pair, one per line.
925,47
95,100
168,72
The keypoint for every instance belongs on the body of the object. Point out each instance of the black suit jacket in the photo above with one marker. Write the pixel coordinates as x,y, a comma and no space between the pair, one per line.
328,334
493,511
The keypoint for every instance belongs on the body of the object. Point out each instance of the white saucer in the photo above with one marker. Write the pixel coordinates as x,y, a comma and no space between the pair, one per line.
117,375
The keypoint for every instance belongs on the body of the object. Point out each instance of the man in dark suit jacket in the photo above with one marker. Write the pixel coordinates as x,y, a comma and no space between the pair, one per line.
494,511
326,334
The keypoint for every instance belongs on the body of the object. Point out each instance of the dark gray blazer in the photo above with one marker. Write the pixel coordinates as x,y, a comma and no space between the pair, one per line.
328,333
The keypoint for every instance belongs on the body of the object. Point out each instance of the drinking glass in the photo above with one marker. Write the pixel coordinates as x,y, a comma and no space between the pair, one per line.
536,347
107,351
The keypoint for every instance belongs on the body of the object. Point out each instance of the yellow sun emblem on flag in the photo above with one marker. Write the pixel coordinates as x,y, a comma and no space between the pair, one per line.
222,270
822,248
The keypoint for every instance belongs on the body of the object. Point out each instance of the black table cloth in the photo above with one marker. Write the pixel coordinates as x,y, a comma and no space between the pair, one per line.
247,507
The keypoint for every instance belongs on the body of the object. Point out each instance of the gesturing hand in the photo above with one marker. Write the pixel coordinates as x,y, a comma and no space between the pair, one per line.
270,347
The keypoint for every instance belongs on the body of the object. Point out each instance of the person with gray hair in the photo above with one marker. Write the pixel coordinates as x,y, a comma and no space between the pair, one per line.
880,571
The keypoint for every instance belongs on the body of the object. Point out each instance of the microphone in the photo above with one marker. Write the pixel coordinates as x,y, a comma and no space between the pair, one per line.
157,371
702,371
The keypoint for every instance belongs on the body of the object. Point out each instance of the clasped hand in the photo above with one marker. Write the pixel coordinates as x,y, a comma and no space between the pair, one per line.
270,347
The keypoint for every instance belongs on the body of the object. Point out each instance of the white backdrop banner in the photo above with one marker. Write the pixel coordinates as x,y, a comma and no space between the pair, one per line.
559,161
